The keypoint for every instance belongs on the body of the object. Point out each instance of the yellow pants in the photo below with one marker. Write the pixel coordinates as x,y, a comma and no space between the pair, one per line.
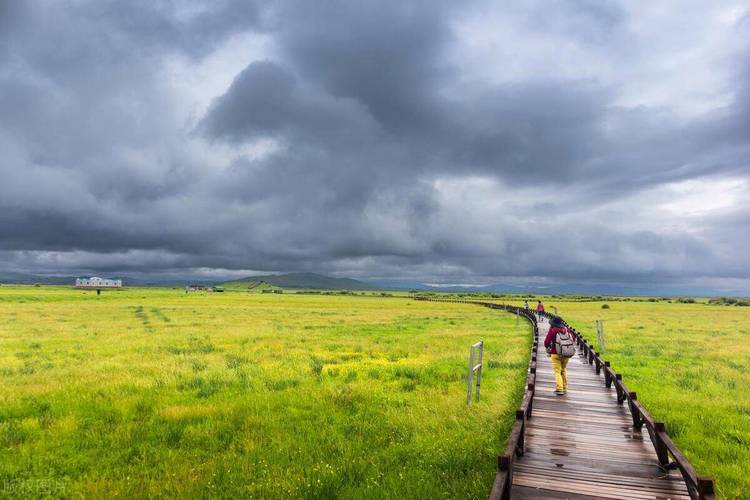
561,378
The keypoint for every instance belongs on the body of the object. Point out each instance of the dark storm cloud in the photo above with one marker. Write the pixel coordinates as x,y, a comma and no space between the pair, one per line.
266,101
409,139
385,57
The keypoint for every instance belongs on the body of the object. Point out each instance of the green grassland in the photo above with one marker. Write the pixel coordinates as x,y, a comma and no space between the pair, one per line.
690,365
156,392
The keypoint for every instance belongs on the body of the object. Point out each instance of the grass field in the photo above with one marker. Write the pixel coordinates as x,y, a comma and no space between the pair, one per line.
690,365
154,392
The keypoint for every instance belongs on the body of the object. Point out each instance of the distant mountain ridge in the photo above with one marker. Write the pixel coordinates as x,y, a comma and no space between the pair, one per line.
322,282
303,280
30,279
566,289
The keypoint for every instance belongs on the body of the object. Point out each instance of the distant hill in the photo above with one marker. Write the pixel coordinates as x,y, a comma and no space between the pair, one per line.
566,289
299,280
250,284
29,279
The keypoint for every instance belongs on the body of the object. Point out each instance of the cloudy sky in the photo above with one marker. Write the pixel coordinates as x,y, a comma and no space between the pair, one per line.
451,142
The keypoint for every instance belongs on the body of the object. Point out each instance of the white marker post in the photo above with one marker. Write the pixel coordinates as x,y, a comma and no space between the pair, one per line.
479,348
600,334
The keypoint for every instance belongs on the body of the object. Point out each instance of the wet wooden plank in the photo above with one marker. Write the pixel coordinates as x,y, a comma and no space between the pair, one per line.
528,493
612,479
586,487
633,467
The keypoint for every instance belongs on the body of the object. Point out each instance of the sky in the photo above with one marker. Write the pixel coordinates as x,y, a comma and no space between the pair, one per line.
514,141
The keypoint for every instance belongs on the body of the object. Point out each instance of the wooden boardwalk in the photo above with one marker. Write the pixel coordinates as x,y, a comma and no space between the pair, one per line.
582,445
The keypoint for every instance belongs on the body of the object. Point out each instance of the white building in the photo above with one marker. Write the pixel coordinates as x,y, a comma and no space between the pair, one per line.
96,282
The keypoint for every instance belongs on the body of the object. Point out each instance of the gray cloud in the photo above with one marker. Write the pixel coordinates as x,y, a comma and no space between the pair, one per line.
565,141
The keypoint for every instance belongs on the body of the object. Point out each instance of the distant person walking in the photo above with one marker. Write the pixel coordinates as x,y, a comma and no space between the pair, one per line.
539,309
526,304
560,347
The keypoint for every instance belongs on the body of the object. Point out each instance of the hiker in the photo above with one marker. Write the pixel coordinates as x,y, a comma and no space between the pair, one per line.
526,304
539,309
560,346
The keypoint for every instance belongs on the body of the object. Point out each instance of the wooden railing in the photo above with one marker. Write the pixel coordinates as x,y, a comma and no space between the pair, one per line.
516,441
515,448
699,487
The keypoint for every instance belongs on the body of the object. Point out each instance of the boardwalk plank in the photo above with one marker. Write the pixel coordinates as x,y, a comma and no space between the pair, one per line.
528,493
586,487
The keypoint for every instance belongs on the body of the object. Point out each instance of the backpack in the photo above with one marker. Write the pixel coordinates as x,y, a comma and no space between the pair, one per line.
564,344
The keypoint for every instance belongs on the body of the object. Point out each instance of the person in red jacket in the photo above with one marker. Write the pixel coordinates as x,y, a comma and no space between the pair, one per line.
539,309
558,362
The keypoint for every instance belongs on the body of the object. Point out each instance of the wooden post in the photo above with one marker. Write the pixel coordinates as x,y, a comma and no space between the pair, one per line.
598,365
506,466
531,401
620,395
637,418
520,447
607,376
661,449
706,488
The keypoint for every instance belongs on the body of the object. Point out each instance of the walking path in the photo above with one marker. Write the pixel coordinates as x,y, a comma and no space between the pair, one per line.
583,445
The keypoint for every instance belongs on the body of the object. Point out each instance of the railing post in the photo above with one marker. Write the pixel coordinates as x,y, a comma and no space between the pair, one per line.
607,376
618,388
505,465
706,488
531,401
520,447
661,449
634,412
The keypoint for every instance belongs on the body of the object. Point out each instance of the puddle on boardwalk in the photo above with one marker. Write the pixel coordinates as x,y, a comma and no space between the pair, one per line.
633,436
